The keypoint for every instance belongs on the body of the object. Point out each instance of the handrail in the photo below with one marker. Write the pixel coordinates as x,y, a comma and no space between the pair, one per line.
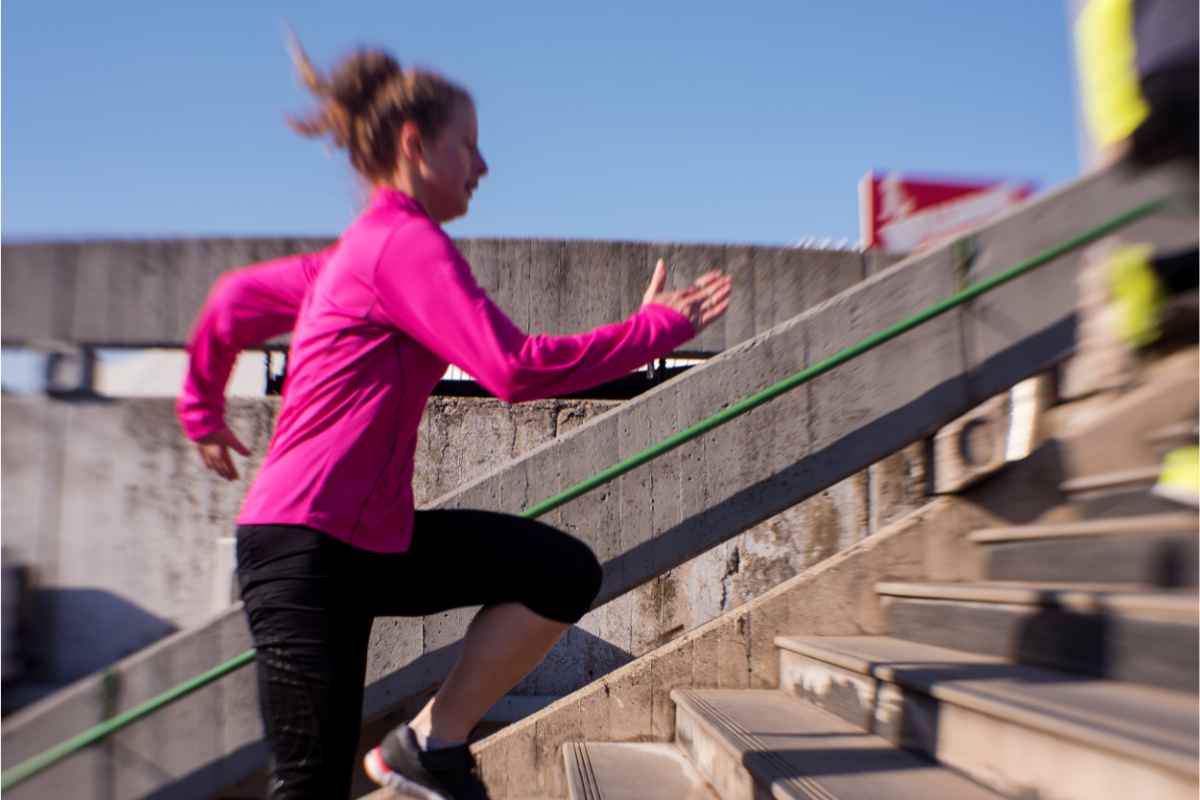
32,766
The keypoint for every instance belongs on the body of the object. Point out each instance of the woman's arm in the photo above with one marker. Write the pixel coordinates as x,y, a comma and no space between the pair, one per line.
245,308
427,290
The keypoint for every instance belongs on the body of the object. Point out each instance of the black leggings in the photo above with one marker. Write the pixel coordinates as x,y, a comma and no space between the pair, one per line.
1179,272
311,599
1171,129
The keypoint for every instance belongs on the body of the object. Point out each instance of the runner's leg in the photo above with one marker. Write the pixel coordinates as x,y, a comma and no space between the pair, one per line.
532,580
503,643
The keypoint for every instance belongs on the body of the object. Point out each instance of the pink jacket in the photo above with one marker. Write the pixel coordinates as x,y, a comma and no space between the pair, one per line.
375,321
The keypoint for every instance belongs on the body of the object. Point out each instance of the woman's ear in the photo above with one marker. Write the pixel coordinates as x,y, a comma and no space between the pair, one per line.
411,146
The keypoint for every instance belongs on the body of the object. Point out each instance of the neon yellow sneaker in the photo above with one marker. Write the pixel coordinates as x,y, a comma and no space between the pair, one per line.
1180,476
1138,295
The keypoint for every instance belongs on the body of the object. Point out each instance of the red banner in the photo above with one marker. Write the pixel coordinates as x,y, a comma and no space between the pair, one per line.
902,214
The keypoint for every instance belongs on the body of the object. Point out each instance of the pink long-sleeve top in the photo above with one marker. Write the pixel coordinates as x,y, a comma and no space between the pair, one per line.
375,321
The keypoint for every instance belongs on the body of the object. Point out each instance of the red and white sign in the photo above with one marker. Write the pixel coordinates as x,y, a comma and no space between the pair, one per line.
902,214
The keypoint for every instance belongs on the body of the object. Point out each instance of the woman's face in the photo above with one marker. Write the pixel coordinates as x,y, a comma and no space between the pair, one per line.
452,165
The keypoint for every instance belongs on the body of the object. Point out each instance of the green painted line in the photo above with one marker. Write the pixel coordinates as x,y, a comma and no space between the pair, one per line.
42,761
27,769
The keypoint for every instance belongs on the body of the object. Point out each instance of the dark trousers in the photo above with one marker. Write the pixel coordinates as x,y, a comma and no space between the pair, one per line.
1171,129
1179,272
311,600
1170,132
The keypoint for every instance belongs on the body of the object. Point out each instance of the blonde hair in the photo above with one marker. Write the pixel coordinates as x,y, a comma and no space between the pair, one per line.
366,99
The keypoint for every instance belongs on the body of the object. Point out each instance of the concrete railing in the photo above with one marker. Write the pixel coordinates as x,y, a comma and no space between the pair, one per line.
147,293
665,513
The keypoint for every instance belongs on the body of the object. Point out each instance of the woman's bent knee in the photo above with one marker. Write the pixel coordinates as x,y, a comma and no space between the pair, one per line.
591,576
572,582
583,585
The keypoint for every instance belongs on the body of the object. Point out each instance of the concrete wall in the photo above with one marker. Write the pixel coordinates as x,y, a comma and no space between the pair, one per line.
109,505
147,293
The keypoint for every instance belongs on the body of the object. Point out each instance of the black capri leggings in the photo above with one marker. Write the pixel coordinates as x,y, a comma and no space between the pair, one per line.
311,600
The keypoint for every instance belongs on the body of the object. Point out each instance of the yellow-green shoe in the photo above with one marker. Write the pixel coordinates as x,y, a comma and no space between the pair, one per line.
1138,295
1180,476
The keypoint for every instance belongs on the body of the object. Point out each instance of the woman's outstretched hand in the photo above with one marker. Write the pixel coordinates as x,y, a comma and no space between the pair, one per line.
214,452
702,302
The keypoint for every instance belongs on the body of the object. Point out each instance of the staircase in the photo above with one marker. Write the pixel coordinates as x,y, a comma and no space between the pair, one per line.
1066,668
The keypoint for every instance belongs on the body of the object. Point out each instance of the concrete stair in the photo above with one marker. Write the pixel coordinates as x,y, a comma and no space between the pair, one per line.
1103,630
1120,493
1124,431
1022,731
1062,663
617,771
1153,549
1168,436
1112,482
888,717
762,743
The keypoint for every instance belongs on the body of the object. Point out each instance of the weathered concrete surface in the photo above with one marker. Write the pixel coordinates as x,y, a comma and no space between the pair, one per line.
111,508
660,516
735,650
147,293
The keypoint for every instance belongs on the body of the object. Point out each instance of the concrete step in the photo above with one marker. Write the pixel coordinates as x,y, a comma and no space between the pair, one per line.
1154,549
1022,731
1174,435
1111,482
1172,522
1133,500
619,771
1111,430
1101,630
1120,493
753,744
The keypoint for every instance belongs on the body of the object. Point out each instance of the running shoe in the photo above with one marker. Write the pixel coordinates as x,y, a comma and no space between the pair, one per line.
1138,295
448,773
1180,477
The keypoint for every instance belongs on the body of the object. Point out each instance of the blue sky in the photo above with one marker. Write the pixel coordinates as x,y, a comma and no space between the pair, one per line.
666,121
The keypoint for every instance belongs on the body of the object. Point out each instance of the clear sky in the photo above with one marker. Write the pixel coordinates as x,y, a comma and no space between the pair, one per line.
665,121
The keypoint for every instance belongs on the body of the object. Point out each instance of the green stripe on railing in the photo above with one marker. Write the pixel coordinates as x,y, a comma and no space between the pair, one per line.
42,761
33,766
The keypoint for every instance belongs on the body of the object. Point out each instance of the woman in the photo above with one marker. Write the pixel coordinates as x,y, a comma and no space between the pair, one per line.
328,537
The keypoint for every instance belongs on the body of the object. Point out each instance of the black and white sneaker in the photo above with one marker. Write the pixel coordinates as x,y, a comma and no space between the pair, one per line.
447,773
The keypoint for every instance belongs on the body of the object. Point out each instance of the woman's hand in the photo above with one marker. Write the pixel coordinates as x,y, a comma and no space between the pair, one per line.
214,452
702,302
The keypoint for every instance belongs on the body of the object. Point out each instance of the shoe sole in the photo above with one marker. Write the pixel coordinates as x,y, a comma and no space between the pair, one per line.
379,772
